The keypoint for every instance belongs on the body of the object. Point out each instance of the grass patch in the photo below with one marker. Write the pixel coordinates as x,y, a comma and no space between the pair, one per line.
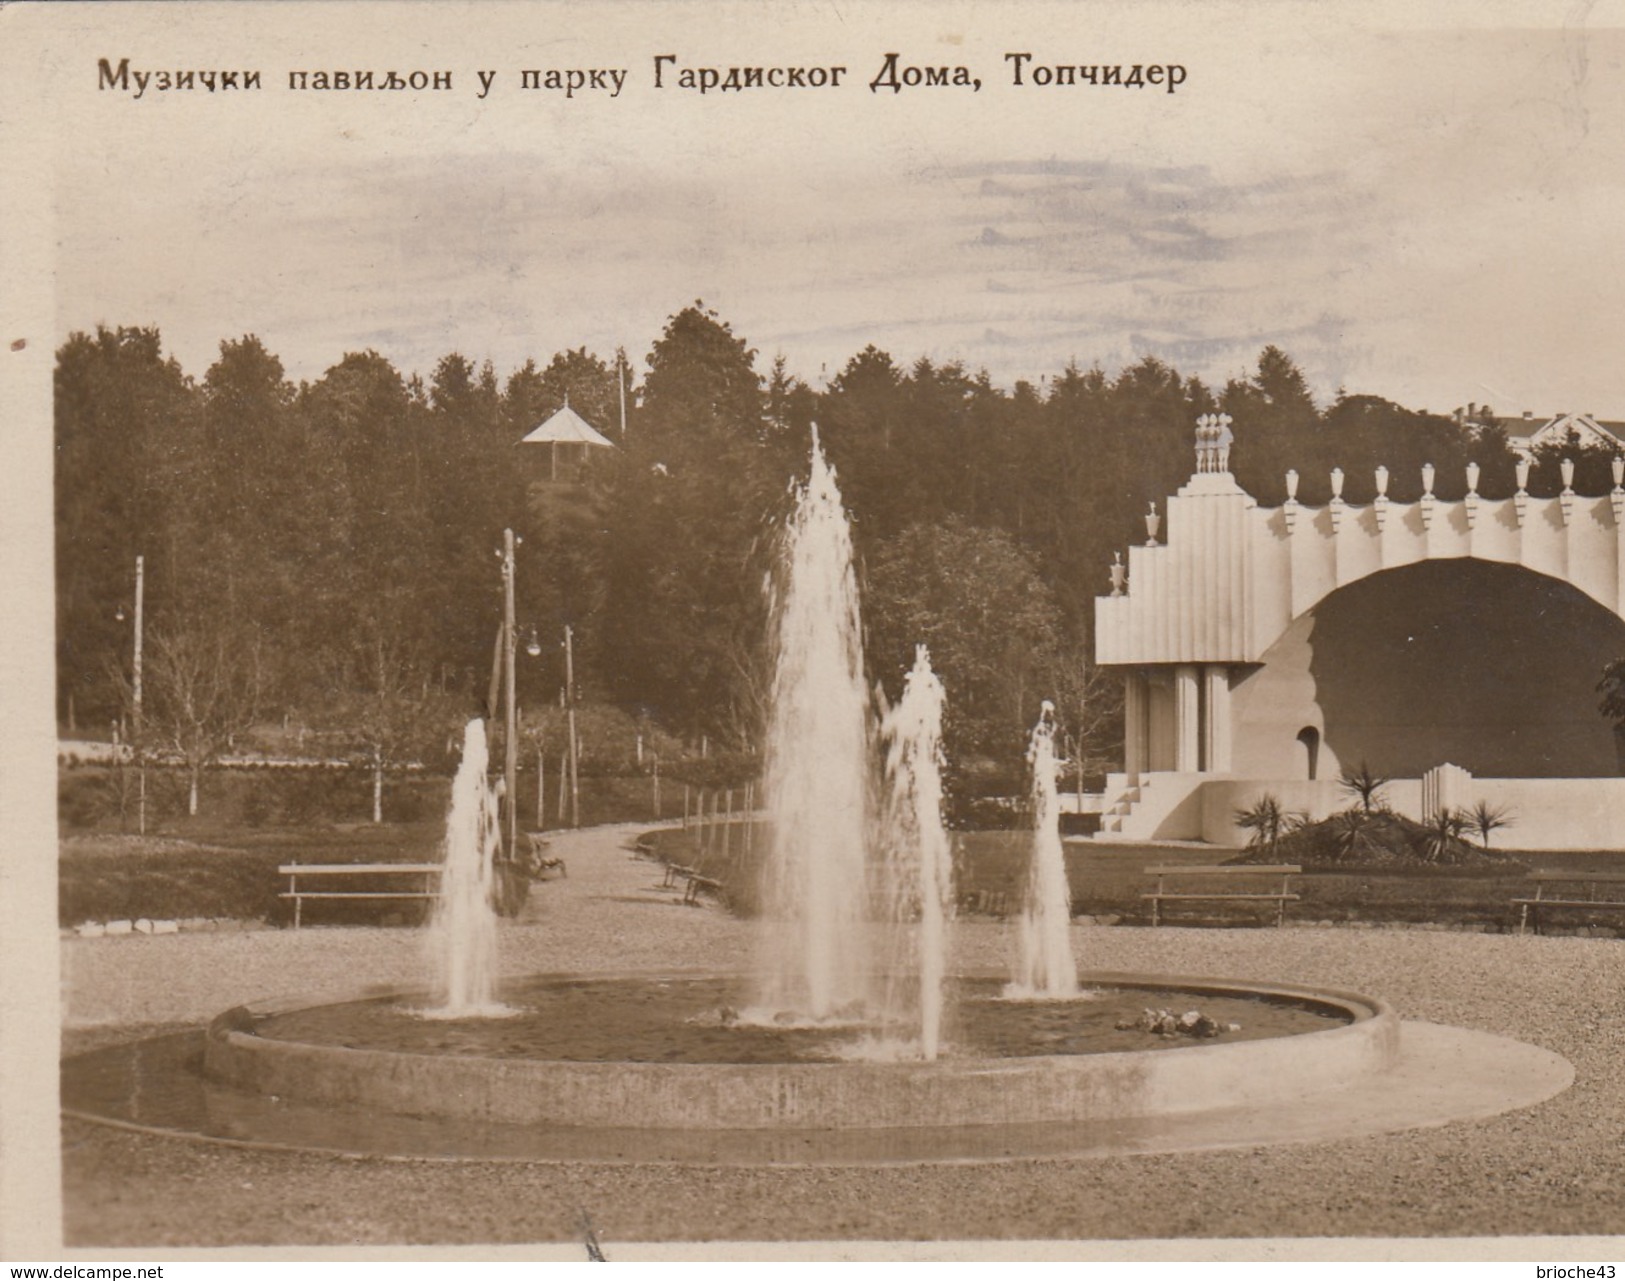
222,862
109,877
118,878
1108,880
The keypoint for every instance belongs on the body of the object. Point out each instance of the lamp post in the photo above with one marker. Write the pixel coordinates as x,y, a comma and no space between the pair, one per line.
533,647
570,714
136,744
510,746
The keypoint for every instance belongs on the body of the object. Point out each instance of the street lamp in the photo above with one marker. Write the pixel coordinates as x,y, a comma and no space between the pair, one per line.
570,723
135,695
510,762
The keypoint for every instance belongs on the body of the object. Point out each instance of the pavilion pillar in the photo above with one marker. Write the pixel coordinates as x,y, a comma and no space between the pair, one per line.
1136,723
1187,718
1216,723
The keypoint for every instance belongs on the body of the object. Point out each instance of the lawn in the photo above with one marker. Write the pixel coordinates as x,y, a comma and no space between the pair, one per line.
107,877
1107,880
223,862
212,869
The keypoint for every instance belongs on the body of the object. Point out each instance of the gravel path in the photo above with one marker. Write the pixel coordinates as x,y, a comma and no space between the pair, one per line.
1558,1168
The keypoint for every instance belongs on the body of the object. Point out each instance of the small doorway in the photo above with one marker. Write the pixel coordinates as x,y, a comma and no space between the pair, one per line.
1309,736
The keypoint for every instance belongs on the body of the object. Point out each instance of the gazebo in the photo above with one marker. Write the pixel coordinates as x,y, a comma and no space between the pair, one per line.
569,435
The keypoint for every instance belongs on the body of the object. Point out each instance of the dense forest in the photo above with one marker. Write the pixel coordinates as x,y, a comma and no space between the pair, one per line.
325,554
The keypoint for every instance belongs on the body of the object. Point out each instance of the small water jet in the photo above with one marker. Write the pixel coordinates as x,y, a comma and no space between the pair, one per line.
917,841
1044,963
462,934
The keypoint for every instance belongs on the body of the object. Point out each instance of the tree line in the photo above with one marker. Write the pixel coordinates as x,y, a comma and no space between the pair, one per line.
325,554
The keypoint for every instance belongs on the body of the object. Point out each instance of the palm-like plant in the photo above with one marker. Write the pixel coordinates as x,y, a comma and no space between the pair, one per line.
1611,701
1365,786
1348,832
1269,822
1611,691
1444,835
1485,818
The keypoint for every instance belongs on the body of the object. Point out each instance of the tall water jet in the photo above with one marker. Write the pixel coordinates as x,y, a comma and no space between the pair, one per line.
919,850
463,930
1044,964
815,959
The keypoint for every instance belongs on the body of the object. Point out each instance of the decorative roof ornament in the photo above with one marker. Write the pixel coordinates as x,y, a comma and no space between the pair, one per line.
1213,440
1427,502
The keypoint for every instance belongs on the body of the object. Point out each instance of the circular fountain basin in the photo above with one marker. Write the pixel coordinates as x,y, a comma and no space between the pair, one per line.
655,1052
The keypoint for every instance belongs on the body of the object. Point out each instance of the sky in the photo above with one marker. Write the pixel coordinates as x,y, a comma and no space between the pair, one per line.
1421,206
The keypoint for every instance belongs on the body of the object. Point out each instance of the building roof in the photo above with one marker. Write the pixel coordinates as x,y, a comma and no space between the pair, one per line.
567,428
1529,431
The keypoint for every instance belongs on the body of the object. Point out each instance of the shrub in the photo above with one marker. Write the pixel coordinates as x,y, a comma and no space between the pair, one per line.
1268,822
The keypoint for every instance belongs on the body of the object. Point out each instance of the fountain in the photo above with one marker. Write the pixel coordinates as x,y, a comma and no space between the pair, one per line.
814,957
462,932
847,876
1044,965
851,972
856,903
917,843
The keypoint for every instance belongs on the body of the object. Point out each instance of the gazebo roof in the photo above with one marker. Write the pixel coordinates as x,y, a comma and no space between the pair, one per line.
567,428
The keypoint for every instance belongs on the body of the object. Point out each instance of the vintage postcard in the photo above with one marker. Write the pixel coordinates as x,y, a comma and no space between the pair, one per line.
914,630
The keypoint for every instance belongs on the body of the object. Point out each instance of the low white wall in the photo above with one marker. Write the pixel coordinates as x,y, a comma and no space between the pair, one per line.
1546,813
1558,813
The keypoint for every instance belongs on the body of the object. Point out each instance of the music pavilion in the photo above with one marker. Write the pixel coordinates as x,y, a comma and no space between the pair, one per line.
1454,647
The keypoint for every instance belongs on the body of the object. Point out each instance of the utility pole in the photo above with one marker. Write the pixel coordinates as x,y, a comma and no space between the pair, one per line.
135,692
620,383
570,711
510,766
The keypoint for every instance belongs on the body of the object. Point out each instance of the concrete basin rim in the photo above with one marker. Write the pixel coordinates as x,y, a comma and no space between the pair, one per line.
1430,1060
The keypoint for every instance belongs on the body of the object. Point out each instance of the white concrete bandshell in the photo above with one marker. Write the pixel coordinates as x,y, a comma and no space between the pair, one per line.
1200,613
1229,576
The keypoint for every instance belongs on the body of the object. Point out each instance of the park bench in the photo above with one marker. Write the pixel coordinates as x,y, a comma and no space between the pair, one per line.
698,885
1601,890
677,872
1240,883
538,862
336,874
984,903
694,883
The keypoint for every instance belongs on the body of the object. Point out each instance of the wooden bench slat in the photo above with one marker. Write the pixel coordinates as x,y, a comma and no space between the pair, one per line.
1589,881
1233,874
333,871
362,894
1220,897
356,869
1224,869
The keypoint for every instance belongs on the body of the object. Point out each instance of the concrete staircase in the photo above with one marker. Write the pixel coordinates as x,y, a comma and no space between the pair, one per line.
1152,806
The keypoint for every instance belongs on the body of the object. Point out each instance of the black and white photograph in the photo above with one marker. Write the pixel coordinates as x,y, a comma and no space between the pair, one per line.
643,630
